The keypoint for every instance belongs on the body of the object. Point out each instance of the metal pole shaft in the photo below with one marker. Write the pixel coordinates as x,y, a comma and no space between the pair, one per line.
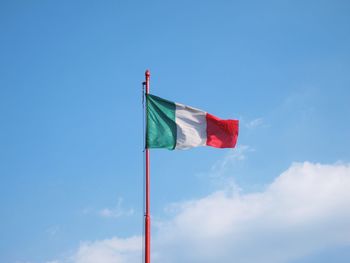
147,192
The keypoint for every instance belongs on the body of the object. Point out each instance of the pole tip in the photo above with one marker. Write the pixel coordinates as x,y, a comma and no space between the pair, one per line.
148,73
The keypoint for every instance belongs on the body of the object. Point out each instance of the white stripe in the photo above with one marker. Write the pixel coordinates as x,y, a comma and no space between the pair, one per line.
191,125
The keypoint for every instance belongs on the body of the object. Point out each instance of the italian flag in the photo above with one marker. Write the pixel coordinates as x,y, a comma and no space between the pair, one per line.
175,126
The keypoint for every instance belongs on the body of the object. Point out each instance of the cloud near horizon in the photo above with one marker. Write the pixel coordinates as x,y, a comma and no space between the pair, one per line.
305,210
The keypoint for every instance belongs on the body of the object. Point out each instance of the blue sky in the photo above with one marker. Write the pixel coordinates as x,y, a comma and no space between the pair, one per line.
71,163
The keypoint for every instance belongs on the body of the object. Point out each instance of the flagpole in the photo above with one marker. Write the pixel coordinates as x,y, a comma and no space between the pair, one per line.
147,186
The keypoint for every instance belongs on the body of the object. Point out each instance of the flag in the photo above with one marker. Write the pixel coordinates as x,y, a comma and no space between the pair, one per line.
175,126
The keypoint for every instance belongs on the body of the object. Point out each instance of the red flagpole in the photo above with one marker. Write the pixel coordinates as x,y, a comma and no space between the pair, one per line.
147,192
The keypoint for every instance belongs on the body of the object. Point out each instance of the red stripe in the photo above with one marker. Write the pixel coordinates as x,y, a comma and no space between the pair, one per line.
221,133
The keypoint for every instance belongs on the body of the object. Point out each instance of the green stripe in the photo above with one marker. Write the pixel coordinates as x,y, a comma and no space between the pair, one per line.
161,126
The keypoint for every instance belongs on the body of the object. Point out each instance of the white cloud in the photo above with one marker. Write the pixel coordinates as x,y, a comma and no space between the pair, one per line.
254,123
114,250
232,156
221,172
53,230
304,211
117,211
